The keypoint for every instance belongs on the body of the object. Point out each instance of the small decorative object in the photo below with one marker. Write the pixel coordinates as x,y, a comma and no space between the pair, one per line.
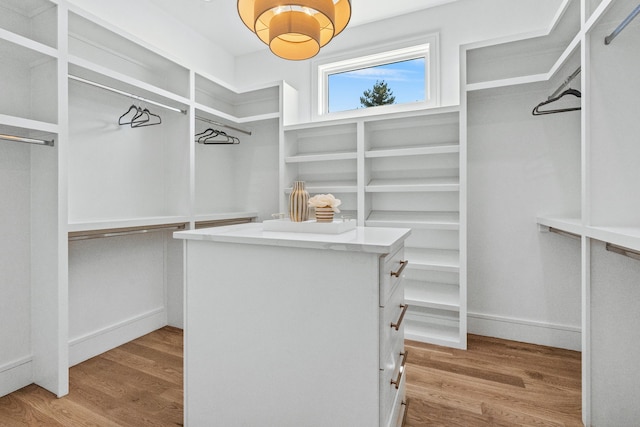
326,205
299,203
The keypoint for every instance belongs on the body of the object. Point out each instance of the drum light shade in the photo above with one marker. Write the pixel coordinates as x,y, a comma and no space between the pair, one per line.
295,29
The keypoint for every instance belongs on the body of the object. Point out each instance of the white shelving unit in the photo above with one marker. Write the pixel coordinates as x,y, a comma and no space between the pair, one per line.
593,200
32,269
92,263
396,170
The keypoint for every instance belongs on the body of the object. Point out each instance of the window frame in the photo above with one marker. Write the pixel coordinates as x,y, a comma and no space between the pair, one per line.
426,47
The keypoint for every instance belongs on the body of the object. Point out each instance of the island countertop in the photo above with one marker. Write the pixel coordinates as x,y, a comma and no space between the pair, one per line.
361,239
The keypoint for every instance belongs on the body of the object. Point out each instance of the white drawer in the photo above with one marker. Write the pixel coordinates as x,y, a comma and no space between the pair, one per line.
390,274
392,326
392,389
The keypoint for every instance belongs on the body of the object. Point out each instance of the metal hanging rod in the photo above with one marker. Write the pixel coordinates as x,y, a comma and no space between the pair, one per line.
128,231
130,95
565,83
204,119
623,251
564,233
27,140
622,25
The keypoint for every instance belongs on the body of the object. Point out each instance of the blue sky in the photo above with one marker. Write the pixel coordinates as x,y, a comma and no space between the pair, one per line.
405,79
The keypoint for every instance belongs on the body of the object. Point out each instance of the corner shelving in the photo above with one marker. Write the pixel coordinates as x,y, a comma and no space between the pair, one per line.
398,169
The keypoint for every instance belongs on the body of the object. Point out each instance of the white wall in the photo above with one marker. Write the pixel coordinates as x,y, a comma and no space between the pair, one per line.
177,41
461,22
522,284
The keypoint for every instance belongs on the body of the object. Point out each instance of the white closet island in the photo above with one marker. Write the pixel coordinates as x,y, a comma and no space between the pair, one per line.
303,329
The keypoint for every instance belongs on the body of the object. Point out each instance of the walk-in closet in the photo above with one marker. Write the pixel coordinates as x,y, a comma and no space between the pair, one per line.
131,132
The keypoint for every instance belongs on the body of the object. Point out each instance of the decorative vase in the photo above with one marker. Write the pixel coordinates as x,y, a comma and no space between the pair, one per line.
299,203
324,214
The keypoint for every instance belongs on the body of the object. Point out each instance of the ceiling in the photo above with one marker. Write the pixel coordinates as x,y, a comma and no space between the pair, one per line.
218,20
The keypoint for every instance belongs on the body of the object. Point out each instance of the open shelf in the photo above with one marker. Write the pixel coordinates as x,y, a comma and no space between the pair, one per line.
433,259
432,295
322,157
440,148
29,23
28,84
240,105
328,187
439,329
414,219
411,185
90,43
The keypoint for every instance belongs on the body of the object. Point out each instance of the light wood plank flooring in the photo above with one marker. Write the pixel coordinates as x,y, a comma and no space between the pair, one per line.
494,383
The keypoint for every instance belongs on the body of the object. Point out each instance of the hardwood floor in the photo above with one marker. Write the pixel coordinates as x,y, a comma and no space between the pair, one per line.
137,384
494,383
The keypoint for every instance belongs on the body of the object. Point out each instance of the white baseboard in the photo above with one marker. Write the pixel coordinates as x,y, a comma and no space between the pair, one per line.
15,375
554,335
97,342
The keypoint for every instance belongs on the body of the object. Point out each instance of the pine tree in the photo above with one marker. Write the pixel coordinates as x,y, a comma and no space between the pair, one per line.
379,95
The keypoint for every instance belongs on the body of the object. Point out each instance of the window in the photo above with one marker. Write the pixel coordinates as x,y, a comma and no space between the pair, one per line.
396,79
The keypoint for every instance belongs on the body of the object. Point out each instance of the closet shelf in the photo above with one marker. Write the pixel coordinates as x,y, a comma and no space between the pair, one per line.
321,157
433,259
328,187
571,225
432,295
91,71
234,119
445,148
90,226
28,43
20,122
419,220
411,185
437,331
628,237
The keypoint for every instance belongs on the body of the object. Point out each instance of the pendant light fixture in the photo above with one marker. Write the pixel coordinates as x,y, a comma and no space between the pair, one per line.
295,29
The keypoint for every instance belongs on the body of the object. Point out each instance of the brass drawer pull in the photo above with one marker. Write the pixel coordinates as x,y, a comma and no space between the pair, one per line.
396,382
396,325
403,264
404,412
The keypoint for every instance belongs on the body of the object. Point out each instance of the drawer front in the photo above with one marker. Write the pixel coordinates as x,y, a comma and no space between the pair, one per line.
390,274
392,326
392,389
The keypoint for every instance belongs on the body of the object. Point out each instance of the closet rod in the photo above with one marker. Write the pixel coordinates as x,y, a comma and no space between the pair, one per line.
623,251
565,83
27,140
99,234
130,95
203,119
564,233
622,25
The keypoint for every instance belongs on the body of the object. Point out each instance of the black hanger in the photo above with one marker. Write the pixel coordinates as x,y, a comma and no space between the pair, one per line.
145,119
131,109
574,92
208,137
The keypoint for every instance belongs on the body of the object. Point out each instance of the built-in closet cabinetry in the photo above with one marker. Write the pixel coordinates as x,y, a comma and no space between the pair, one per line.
89,261
578,172
397,170
32,264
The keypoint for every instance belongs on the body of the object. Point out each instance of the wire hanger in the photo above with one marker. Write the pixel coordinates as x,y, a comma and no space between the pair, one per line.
213,136
141,117
574,92
557,95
